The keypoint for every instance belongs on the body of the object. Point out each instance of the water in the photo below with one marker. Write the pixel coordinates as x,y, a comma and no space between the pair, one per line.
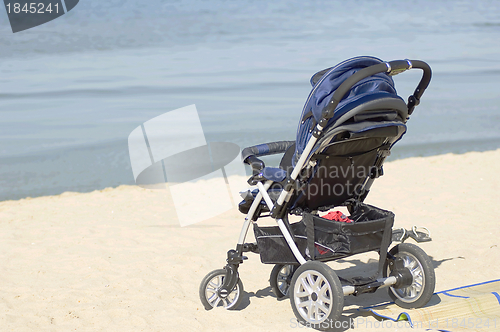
73,89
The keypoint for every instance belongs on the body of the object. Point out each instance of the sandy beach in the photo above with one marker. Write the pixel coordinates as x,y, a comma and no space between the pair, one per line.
117,259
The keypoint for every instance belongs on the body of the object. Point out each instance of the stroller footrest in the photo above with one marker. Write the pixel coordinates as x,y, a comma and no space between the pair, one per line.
419,234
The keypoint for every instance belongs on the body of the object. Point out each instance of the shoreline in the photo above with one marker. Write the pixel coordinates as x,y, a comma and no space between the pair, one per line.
273,164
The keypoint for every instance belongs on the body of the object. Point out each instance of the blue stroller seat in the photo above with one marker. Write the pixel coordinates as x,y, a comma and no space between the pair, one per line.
368,120
350,121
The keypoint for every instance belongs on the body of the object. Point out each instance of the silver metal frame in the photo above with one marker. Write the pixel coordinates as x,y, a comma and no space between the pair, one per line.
284,196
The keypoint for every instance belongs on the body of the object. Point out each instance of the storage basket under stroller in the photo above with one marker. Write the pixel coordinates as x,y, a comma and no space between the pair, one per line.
331,239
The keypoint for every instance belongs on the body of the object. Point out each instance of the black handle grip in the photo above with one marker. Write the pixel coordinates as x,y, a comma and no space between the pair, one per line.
398,66
414,99
426,77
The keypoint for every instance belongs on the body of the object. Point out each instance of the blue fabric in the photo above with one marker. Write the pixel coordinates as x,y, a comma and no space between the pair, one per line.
374,87
263,148
273,174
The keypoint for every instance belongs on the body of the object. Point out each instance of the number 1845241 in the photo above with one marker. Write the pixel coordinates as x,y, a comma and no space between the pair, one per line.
32,8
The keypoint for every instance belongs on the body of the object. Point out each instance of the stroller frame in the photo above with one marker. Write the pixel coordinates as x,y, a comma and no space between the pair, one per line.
400,275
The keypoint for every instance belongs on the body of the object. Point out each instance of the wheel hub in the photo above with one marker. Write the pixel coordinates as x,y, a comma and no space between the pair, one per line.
313,296
223,293
403,275
410,277
284,279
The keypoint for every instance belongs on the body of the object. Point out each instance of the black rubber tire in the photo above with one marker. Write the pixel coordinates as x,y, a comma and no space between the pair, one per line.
424,271
276,277
333,291
205,283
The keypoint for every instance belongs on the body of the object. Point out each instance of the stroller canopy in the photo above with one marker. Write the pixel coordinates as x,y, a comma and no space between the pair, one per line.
324,85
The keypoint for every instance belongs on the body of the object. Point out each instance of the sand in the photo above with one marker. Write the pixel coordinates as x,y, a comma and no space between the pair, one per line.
117,259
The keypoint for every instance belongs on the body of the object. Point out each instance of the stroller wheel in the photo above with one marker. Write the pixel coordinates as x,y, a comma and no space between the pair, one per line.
280,279
316,295
421,289
209,291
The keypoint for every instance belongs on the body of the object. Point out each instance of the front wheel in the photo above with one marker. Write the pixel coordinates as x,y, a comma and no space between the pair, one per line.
209,292
316,295
420,291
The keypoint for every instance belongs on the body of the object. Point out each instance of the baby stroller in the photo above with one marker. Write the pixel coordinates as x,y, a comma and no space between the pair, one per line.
350,122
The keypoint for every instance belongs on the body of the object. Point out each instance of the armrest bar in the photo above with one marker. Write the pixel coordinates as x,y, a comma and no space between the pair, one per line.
249,155
265,149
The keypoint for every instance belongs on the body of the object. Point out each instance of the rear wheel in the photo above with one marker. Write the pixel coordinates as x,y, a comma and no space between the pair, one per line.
316,295
280,279
420,291
209,291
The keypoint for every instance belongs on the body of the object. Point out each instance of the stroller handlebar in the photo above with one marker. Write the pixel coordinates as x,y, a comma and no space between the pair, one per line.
392,68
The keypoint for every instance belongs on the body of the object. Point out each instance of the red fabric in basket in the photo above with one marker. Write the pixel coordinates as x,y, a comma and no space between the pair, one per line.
337,216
